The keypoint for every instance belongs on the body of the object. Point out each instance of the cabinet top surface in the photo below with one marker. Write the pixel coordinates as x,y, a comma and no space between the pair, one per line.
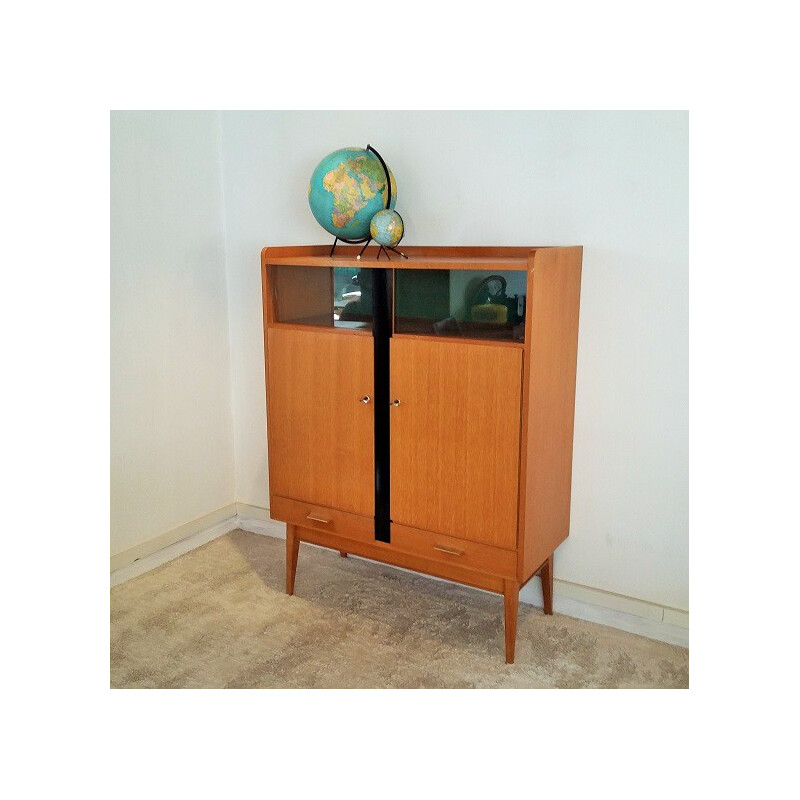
419,257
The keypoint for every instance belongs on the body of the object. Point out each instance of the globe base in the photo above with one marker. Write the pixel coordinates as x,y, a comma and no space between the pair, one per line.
387,249
381,249
347,241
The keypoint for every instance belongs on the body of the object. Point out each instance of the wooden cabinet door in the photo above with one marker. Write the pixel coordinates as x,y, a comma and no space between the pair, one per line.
455,438
321,433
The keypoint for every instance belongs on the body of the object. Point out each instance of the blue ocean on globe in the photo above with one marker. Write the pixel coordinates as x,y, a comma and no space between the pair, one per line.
346,190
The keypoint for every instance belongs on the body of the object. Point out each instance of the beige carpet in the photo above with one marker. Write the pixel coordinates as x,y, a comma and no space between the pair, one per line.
218,617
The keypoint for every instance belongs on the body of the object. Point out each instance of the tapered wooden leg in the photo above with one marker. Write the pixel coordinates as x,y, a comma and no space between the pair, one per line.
343,554
546,573
292,548
511,595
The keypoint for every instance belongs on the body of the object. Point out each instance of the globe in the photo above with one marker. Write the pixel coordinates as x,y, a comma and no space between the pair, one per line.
346,190
386,228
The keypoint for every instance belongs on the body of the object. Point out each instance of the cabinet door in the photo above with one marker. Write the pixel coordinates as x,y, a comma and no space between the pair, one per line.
455,438
321,433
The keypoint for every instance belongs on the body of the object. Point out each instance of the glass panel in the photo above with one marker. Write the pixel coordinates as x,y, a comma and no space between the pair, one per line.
471,304
352,296
339,297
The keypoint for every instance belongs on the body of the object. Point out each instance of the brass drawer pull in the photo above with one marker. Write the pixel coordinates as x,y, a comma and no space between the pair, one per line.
317,519
448,550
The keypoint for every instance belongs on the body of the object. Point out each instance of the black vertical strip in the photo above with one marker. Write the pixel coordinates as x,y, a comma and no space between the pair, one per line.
382,331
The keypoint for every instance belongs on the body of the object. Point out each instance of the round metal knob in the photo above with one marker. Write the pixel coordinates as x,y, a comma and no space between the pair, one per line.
395,402
365,399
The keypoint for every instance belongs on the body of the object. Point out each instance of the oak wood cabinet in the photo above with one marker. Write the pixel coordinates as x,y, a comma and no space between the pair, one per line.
420,412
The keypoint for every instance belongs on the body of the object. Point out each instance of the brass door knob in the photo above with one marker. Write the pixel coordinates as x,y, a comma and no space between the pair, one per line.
395,402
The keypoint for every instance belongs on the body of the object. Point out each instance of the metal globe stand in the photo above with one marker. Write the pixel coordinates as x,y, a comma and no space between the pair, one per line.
346,241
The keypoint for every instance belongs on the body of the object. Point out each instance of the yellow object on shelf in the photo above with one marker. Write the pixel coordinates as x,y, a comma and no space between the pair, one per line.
490,312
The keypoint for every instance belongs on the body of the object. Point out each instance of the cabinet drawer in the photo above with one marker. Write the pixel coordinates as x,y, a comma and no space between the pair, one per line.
448,550
319,518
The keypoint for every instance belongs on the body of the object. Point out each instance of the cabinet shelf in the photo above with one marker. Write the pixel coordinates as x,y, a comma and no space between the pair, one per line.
324,321
460,340
419,257
452,328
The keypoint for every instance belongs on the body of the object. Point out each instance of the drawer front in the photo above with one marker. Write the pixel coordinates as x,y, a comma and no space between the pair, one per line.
458,552
320,518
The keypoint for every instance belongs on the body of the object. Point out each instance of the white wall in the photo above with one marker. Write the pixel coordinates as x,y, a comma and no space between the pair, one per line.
171,414
614,182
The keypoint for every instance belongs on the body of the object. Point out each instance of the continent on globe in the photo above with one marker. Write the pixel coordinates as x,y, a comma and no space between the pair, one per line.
346,190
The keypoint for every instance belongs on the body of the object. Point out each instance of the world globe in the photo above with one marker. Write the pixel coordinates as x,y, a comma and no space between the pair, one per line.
386,228
346,190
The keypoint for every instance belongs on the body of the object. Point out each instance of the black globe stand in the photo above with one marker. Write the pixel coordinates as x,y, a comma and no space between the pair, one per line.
346,241
381,249
386,250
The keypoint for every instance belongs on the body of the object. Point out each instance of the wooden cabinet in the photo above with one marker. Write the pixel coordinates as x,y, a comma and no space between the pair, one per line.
420,412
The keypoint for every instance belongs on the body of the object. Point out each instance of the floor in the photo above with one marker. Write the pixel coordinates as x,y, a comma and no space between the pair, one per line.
218,617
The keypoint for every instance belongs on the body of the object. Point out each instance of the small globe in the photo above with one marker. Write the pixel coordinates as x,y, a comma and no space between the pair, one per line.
386,228
346,190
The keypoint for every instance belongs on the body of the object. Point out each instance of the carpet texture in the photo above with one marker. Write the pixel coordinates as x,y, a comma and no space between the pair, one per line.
218,617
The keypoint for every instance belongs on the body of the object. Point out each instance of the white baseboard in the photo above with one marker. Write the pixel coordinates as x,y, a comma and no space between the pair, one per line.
165,554
255,516
165,540
161,549
571,599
